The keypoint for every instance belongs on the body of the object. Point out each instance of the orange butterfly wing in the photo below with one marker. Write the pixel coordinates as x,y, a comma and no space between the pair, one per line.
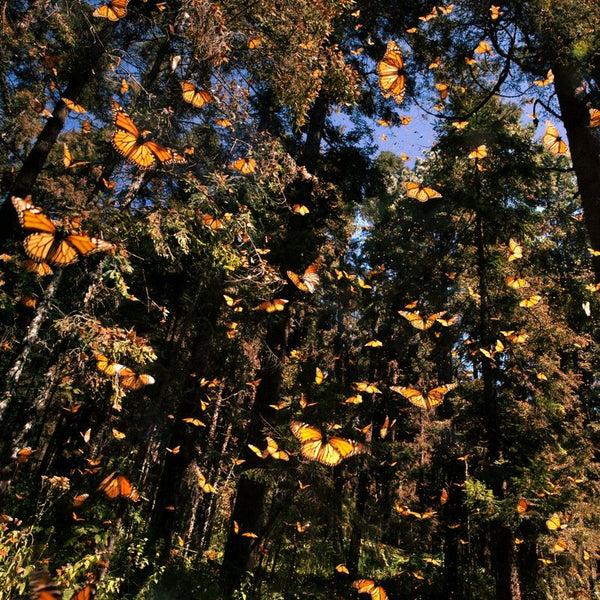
116,485
391,73
86,593
194,96
113,11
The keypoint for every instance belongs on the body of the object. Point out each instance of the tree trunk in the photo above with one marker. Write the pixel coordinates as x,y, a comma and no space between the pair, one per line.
584,145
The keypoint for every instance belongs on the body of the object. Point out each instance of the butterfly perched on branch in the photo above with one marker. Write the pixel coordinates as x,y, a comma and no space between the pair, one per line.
128,141
329,452
54,242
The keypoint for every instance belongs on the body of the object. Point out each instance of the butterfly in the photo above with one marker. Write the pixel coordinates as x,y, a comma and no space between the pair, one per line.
420,192
554,523
417,321
53,242
483,48
246,166
524,507
365,386
516,282
368,586
320,376
113,11
206,487
115,486
594,117
43,588
391,73
194,96
560,545
130,380
479,152
128,141
73,106
552,140
433,397
529,302
300,209
274,305
515,251
495,10
329,453
309,280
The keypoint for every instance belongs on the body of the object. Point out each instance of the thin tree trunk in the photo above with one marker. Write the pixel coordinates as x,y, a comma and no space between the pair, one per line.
31,337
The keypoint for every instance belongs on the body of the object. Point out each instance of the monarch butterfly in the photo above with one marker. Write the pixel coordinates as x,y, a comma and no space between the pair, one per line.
309,280
594,117
113,11
391,73
524,507
417,321
116,485
554,523
274,305
420,192
483,48
515,251
365,386
274,451
479,152
329,453
529,302
368,586
127,141
43,588
433,398
552,140
130,380
561,545
194,96
53,242
39,268
516,282
246,166
105,366
320,376
206,487
86,593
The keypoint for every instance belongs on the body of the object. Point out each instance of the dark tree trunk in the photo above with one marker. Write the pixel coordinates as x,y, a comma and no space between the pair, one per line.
584,145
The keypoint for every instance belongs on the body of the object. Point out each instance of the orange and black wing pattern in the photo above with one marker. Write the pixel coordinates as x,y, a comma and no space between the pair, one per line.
116,486
53,243
309,281
113,11
197,98
128,141
43,588
329,453
390,69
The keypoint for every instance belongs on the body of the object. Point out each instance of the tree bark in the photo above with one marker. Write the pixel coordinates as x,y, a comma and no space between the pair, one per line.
584,145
